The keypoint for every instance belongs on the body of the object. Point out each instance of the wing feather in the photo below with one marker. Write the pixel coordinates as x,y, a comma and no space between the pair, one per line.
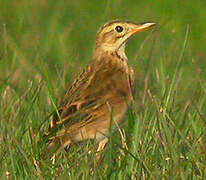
100,83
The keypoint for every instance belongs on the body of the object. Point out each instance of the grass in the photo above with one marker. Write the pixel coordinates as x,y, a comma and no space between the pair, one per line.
45,44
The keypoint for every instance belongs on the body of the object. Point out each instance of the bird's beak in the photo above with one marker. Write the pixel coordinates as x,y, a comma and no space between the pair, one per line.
142,27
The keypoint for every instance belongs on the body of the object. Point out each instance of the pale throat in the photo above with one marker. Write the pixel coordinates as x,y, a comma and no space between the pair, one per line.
121,51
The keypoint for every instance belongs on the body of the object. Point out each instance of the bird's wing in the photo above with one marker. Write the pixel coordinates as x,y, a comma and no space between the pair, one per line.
68,106
101,82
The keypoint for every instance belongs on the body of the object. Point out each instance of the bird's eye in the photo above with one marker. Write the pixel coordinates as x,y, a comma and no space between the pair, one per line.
119,28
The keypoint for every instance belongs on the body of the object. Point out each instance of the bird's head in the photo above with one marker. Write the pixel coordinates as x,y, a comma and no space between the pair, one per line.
113,35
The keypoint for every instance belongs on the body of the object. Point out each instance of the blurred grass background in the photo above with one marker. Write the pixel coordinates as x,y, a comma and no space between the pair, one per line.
45,44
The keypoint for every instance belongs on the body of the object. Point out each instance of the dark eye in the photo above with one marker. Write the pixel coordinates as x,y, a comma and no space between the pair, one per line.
119,28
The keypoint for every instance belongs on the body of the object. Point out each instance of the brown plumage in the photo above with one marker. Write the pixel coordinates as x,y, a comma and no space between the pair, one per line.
101,94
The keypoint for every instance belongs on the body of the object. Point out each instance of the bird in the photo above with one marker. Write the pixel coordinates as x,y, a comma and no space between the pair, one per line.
99,98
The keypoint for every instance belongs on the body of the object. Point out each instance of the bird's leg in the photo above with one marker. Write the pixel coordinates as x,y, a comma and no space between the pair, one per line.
101,146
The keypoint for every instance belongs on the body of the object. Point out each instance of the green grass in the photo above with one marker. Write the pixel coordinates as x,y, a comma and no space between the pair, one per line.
45,44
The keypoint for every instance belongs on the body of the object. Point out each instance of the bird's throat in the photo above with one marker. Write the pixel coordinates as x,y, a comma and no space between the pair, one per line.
102,50
121,52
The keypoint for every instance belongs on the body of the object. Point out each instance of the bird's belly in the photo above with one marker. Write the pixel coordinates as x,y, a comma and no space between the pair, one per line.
99,128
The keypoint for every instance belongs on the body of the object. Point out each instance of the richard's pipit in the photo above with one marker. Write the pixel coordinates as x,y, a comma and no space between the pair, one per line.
101,93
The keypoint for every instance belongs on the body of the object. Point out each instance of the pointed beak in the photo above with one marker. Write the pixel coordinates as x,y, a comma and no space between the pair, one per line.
142,27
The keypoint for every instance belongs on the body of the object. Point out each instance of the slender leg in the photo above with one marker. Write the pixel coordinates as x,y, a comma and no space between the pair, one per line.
101,146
